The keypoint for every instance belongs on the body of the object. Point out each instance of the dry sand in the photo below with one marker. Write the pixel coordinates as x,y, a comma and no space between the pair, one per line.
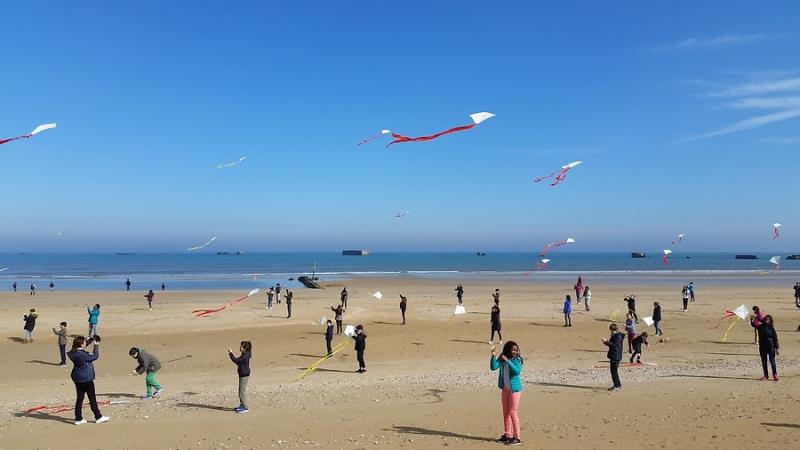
428,384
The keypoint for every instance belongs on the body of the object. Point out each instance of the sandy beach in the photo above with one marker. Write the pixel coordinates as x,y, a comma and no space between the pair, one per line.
428,383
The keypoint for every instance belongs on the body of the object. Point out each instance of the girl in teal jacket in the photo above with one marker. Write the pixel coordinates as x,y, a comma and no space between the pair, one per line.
510,365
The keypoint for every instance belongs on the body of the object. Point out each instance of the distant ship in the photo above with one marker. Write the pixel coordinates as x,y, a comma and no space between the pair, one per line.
638,255
793,257
481,254
355,252
223,253
746,257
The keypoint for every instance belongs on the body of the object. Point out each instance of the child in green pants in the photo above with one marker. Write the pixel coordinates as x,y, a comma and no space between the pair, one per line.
149,364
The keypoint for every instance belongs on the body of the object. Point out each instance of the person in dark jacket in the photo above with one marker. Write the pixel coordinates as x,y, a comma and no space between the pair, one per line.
62,342
14,286
361,345
343,298
83,377
33,289
657,318
459,294
403,306
494,318
631,301
614,344
768,346
148,364
289,295
30,324
339,317
637,347
496,297
329,338
243,370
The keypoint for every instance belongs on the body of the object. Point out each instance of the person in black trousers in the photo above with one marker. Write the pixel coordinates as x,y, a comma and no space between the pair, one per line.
614,344
496,325
329,338
631,301
459,293
403,305
343,298
83,377
657,318
289,295
768,347
361,345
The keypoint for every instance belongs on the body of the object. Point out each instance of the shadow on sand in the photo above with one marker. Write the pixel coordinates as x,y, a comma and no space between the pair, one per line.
430,432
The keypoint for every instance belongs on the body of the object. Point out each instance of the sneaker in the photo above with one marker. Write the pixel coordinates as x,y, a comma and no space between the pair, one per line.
504,438
775,378
501,342
363,369
62,364
242,411
102,419
491,342
514,441
157,393
80,422
147,397
763,379
612,388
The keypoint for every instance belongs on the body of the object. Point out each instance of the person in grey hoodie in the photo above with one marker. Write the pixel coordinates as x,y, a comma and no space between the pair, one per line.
83,377
147,364
62,342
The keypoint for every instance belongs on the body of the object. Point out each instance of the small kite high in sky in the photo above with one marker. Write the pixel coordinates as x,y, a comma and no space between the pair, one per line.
232,164
552,245
35,131
205,312
191,249
3,269
477,118
776,231
664,258
402,214
777,261
559,174
679,239
61,233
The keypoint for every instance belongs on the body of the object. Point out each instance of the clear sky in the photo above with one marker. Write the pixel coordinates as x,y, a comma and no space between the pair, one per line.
685,114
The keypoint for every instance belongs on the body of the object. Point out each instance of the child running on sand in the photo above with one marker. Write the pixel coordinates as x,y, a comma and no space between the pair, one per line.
329,338
243,370
614,344
494,318
339,316
510,364
361,345
62,342
567,311
149,296
637,347
30,324
147,364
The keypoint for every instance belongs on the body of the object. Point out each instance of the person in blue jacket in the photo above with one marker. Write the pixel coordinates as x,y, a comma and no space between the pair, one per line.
83,377
94,316
614,344
567,311
510,364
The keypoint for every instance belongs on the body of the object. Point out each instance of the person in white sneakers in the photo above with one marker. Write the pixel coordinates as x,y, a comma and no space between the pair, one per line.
83,377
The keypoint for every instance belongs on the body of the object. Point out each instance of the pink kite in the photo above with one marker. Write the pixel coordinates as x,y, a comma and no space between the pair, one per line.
477,118
540,265
551,245
664,258
679,239
205,312
35,131
559,174
776,231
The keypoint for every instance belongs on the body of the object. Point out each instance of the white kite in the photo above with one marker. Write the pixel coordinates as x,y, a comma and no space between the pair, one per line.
679,239
378,295
648,321
739,313
231,164
401,214
776,231
559,174
35,131
552,245
777,261
664,258
477,118
350,331
460,310
323,320
61,233
202,246
3,269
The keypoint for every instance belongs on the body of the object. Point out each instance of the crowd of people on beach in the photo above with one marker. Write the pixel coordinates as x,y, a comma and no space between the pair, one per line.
508,361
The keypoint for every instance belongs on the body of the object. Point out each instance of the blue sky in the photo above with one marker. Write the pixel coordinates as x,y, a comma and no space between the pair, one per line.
684,113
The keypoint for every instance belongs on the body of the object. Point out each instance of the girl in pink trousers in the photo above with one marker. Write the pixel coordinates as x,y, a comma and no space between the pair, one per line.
510,364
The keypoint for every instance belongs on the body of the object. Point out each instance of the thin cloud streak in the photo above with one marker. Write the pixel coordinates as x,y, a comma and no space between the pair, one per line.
765,103
716,42
767,87
781,140
753,122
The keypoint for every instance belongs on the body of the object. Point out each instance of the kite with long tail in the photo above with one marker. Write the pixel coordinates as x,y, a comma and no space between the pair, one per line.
679,239
539,266
202,246
205,312
776,231
33,133
477,118
664,258
559,174
552,245
777,261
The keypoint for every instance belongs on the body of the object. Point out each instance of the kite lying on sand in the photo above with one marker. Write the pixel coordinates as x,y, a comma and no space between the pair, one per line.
477,118
552,245
776,231
231,164
35,131
559,174
191,249
205,312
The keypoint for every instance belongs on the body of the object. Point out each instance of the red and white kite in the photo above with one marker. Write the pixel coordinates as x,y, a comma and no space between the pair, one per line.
35,131
741,312
559,174
401,214
777,261
679,239
477,118
205,312
540,265
664,258
551,245
191,249
776,231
